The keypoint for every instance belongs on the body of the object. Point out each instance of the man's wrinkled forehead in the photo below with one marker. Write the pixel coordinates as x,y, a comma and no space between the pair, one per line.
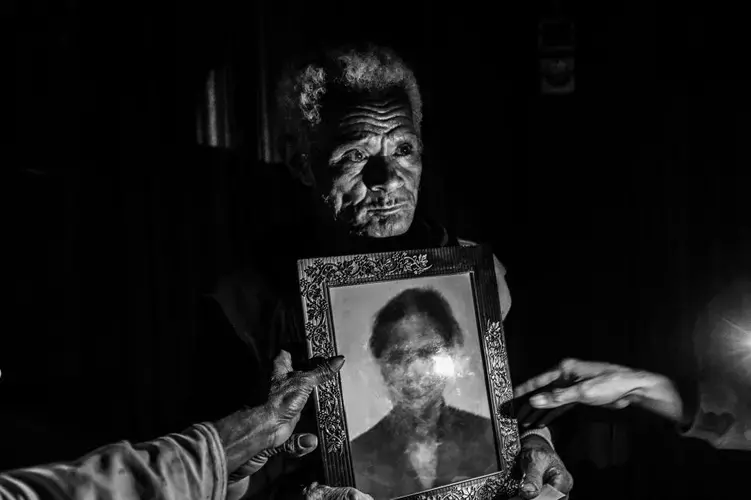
351,115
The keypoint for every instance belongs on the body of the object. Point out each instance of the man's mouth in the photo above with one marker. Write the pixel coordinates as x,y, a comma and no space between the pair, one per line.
390,210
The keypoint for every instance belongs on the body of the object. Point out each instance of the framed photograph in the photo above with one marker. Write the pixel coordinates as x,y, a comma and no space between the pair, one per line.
422,407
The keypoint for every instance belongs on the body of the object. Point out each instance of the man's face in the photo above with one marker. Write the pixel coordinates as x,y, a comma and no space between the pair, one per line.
414,366
370,171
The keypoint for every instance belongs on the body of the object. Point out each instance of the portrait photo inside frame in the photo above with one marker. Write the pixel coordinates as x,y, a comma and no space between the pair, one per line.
422,407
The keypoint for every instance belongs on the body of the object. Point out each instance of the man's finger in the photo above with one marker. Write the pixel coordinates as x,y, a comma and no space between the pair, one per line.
618,405
568,370
577,368
294,420
623,402
596,391
577,393
537,382
326,370
560,480
319,492
524,412
282,365
299,445
533,475
547,400
549,416
532,417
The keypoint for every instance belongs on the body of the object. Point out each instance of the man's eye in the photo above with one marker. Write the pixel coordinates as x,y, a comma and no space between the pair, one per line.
404,150
355,156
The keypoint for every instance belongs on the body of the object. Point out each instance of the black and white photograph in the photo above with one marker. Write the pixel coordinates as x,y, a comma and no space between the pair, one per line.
361,250
418,413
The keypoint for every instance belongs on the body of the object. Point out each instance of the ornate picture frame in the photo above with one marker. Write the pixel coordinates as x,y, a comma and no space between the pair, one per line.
320,278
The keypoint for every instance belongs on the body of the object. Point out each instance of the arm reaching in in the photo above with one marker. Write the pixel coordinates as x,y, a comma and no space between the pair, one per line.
193,465
604,384
247,433
616,387
288,394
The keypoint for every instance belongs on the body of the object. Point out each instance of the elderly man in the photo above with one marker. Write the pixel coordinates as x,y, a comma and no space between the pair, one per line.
355,116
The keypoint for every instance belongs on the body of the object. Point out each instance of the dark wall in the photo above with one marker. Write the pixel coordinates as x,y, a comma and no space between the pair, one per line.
116,219
617,210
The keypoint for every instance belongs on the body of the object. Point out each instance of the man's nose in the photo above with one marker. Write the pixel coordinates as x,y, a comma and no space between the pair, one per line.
381,174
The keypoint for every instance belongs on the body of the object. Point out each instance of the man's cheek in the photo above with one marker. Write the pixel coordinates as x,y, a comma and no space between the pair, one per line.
334,201
349,193
412,178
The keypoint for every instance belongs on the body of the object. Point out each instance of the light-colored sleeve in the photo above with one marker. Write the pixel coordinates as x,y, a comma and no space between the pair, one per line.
542,432
720,419
504,294
721,401
187,466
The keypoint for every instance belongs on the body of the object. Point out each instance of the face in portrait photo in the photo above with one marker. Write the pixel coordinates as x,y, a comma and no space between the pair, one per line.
414,390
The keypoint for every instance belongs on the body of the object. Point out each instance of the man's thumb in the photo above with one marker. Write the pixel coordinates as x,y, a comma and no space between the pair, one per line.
299,445
532,484
296,446
327,369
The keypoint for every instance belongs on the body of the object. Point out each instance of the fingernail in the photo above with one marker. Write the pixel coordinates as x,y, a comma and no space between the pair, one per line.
307,441
529,488
538,400
336,363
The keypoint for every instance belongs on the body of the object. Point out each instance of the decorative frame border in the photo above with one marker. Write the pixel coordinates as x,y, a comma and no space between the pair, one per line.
318,275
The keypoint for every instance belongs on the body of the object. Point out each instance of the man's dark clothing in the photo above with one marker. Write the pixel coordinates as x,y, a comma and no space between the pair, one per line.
383,468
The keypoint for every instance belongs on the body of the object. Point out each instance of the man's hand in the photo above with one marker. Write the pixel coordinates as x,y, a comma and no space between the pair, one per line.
290,391
603,384
296,446
541,465
250,432
319,492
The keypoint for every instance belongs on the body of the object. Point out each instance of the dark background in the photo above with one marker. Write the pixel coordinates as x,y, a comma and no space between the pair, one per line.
617,210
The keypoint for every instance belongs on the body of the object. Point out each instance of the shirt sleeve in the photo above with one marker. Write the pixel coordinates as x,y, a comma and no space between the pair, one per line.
542,432
190,466
717,418
719,399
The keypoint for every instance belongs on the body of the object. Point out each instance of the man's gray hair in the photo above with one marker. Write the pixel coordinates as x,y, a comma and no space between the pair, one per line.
301,91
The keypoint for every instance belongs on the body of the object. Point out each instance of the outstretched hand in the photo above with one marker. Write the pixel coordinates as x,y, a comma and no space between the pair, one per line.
590,383
290,391
259,432
296,446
